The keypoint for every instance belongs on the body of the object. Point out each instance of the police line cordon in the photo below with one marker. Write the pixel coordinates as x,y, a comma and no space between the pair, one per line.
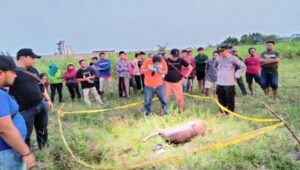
233,141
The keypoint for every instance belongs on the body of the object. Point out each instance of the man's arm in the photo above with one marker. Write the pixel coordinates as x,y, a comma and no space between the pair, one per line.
269,60
12,137
241,67
106,66
144,67
164,70
190,69
47,99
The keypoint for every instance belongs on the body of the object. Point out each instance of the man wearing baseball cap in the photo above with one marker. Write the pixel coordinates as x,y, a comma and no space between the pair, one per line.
13,150
30,94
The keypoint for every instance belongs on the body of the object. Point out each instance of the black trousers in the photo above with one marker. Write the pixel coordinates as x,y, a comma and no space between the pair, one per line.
74,90
226,95
138,82
241,84
124,86
58,88
37,117
97,84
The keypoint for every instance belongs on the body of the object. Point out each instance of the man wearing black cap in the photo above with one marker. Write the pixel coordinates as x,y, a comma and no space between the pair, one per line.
174,78
227,74
30,94
13,150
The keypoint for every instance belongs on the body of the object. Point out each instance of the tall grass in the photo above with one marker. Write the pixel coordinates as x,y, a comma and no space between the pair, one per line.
114,138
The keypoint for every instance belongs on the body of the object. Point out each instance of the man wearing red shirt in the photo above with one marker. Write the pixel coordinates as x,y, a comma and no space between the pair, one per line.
253,68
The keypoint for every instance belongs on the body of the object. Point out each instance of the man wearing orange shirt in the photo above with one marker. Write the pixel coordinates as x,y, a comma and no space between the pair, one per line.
154,69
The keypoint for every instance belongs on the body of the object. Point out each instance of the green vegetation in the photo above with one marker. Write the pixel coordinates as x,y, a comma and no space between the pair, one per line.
114,138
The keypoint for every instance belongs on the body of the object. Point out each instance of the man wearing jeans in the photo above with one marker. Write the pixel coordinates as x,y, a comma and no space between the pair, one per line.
154,69
269,69
227,74
31,96
14,153
86,75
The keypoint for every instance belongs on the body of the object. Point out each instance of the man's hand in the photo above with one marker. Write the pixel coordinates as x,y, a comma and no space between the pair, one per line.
30,161
50,105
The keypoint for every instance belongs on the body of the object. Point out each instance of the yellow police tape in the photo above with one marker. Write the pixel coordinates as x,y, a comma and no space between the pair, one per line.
233,141
224,109
194,96
103,110
208,148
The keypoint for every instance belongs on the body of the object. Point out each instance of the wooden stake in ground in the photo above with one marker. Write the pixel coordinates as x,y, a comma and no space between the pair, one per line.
278,117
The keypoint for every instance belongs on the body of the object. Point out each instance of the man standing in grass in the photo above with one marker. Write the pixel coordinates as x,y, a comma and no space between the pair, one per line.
14,153
154,69
93,65
140,63
226,76
103,67
187,84
122,67
174,78
210,74
201,60
239,81
33,99
137,71
269,73
86,75
253,68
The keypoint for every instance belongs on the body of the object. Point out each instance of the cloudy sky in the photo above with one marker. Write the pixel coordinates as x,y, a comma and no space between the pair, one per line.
89,25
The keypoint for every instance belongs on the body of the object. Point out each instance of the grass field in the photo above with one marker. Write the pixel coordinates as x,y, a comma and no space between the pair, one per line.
114,138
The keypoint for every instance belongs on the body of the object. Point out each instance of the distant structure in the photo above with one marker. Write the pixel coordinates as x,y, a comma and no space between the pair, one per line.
64,49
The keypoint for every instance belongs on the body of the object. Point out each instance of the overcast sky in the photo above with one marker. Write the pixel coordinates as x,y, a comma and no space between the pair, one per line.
89,25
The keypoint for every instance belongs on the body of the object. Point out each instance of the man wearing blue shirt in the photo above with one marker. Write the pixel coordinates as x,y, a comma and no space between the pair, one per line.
14,153
103,67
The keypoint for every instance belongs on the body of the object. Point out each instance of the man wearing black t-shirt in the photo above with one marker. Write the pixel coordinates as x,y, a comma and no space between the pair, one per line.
86,75
31,96
174,79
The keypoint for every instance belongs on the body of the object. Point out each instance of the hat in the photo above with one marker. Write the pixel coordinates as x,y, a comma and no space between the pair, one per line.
174,52
7,63
27,52
224,46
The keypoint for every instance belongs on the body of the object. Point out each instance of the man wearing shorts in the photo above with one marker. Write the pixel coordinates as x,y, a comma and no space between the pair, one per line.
210,74
174,78
201,60
269,69
253,68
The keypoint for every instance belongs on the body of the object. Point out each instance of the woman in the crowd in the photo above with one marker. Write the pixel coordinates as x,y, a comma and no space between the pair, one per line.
71,82
56,81
44,80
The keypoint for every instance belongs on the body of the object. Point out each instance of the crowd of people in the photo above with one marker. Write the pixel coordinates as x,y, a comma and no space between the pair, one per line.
25,103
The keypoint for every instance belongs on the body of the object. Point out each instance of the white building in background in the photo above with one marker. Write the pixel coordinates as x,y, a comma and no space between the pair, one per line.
64,49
